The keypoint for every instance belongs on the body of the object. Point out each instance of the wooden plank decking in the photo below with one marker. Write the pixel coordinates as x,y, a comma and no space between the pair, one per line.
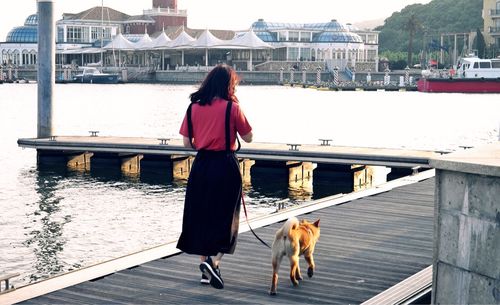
366,246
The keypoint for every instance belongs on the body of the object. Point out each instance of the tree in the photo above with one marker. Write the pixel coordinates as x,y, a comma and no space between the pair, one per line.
480,44
412,26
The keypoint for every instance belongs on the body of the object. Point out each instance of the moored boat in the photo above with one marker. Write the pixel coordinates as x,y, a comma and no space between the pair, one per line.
92,75
472,75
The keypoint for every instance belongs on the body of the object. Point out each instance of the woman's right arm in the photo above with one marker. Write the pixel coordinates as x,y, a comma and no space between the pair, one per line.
186,142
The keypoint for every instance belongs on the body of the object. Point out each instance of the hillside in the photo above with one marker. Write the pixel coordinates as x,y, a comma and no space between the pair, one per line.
434,18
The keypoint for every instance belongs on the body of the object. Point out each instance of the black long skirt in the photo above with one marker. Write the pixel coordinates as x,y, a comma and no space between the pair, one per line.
212,205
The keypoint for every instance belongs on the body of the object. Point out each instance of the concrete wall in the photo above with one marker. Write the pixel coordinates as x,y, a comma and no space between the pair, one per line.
466,266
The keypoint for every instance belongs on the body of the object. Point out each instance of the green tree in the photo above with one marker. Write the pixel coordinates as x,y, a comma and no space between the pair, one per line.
412,26
437,17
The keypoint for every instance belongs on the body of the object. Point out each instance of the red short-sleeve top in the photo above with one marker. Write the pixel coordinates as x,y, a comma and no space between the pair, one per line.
209,125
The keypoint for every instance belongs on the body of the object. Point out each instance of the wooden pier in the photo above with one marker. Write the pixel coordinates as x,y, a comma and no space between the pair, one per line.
370,242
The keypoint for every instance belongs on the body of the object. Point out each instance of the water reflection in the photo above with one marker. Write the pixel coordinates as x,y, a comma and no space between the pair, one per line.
46,239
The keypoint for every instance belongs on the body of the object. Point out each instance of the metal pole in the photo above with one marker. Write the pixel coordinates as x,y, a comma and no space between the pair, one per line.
46,66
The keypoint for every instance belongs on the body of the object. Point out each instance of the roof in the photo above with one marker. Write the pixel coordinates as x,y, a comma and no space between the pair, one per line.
25,34
98,13
141,19
327,32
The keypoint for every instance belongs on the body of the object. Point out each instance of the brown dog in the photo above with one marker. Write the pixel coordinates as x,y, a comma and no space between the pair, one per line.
294,239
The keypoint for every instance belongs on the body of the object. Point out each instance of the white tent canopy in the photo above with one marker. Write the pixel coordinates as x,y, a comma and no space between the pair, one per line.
162,41
207,40
120,43
249,40
145,42
182,41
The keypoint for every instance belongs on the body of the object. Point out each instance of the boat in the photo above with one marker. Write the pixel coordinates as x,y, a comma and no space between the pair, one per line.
471,75
92,75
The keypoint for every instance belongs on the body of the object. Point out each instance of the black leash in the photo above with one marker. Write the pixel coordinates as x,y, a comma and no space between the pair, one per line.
246,217
228,148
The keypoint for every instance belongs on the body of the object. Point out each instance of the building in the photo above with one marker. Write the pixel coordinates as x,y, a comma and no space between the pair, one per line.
491,16
332,42
82,39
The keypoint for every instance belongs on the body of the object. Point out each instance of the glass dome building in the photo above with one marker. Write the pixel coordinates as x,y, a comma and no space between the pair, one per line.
331,41
25,34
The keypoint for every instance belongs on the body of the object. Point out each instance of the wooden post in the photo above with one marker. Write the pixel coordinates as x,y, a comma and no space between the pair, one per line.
181,166
79,161
245,166
132,164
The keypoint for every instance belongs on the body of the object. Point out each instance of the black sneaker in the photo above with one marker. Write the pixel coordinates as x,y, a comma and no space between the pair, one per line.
212,273
204,279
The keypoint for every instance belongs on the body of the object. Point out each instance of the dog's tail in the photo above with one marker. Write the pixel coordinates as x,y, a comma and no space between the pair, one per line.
290,225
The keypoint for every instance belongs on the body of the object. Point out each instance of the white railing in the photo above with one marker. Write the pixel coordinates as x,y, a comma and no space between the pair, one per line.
165,11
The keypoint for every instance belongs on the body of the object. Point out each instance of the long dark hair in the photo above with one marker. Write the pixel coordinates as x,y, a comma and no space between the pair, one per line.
220,82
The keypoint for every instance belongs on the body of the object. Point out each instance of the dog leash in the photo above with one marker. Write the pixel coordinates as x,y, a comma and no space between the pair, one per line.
248,222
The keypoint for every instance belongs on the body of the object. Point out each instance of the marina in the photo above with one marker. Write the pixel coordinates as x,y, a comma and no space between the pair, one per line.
403,184
57,206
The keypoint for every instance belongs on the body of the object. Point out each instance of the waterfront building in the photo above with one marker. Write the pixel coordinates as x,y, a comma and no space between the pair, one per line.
89,37
491,16
331,42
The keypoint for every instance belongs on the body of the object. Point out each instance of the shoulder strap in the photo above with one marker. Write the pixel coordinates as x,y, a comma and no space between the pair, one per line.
228,128
190,125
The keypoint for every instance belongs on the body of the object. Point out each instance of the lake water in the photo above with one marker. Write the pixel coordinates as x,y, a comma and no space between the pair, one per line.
55,220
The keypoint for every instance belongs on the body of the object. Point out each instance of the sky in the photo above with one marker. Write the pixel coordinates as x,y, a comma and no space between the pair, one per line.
224,14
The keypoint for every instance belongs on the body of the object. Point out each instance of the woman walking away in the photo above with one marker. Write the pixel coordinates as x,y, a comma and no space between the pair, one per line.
213,195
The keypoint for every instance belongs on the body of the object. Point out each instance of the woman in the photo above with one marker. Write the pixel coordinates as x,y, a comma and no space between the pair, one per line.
213,194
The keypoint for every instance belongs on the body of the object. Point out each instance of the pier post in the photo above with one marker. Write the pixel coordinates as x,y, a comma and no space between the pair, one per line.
369,77
366,176
300,179
407,76
125,75
1,73
132,164
79,161
281,75
304,75
292,71
46,66
181,166
245,166
336,76
387,78
318,76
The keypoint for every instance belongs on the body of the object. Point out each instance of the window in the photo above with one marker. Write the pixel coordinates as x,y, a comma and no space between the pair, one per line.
305,54
293,36
484,65
74,34
305,36
96,33
495,63
293,54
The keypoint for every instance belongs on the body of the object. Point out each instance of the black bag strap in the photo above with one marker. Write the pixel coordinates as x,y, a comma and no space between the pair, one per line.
190,125
228,128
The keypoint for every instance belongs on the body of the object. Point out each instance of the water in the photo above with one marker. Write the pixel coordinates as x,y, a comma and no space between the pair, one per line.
55,220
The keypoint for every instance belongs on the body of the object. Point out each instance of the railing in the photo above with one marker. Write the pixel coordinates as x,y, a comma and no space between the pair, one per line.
494,30
166,11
